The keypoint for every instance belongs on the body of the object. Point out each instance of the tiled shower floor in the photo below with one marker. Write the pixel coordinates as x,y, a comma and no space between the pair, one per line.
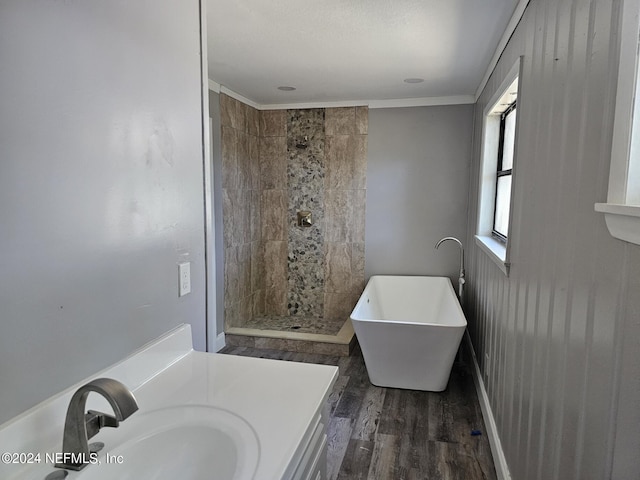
295,334
320,326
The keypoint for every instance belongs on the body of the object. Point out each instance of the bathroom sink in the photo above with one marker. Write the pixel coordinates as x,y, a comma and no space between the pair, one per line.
186,442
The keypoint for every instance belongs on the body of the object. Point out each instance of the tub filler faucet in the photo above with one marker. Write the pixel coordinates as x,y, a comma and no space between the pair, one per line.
461,280
79,427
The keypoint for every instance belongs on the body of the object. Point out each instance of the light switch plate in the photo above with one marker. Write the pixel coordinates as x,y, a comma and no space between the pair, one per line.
184,278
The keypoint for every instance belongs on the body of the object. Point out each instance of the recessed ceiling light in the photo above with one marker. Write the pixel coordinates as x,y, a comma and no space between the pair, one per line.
413,80
285,88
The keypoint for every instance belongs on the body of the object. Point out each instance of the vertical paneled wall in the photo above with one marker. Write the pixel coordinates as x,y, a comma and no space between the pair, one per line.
307,160
550,338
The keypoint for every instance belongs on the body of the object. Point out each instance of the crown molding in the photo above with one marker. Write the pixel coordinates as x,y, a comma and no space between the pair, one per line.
389,103
422,101
214,86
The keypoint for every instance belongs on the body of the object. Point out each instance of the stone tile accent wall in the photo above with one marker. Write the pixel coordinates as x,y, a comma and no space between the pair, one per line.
276,163
305,187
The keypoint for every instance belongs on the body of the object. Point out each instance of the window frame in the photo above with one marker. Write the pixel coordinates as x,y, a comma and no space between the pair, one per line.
498,251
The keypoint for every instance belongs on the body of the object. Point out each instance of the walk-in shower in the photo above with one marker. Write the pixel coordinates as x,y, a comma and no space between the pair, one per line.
293,219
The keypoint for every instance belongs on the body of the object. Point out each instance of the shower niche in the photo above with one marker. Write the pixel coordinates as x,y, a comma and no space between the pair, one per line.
294,192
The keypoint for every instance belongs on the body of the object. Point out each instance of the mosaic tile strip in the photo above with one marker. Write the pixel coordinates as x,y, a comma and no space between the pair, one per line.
305,183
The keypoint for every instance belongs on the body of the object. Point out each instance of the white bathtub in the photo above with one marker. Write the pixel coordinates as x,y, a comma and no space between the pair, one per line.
409,329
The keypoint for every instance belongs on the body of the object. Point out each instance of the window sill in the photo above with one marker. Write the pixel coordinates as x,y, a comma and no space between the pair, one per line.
497,252
623,221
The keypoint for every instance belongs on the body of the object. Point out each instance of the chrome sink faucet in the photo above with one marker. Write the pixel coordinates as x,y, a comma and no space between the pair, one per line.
79,426
461,280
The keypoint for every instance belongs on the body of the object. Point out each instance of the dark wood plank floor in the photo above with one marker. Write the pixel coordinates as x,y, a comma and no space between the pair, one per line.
390,434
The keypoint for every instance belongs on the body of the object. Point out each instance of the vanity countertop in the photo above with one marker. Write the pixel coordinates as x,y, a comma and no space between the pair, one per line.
279,400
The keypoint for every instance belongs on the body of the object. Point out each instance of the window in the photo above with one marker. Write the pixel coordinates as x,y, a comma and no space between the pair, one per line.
506,146
496,175
622,209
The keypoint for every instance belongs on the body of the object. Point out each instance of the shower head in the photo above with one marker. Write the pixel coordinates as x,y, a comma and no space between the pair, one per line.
303,142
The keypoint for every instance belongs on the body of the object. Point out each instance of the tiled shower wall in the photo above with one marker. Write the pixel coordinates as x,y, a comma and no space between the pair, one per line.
240,209
312,159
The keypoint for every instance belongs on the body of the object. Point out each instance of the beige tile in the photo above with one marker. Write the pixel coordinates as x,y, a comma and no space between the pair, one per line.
228,111
235,216
338,215
334,349
271,343
242,111
275,277
339,161
357,261
289,345
340,121
254,160
362,120
244,272
243,161
258,303
358,215
273,162
239,341
255,225
244,221
275,261
227,216
241,217
231,276
338,305
257,266
230,316
229,162
337,267
360,162
357,271
245,311
275,301
303,346
273,123
253,121
274,214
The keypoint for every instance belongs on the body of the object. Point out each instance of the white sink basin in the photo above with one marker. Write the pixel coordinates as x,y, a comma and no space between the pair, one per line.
185,442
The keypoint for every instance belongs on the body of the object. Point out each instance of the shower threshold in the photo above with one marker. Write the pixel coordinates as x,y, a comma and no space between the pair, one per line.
295,334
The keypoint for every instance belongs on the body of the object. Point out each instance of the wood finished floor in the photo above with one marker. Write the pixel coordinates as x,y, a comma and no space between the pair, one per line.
390,434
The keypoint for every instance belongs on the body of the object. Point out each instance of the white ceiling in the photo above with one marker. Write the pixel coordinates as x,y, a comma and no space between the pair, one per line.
353,51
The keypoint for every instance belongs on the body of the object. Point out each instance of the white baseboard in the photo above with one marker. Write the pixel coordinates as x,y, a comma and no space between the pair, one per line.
499,460
220,342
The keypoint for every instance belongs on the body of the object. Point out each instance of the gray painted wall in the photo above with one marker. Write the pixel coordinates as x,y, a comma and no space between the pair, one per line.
417,189
558,339
100,187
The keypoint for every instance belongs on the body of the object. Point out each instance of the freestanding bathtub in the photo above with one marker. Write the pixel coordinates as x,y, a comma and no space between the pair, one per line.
409,329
